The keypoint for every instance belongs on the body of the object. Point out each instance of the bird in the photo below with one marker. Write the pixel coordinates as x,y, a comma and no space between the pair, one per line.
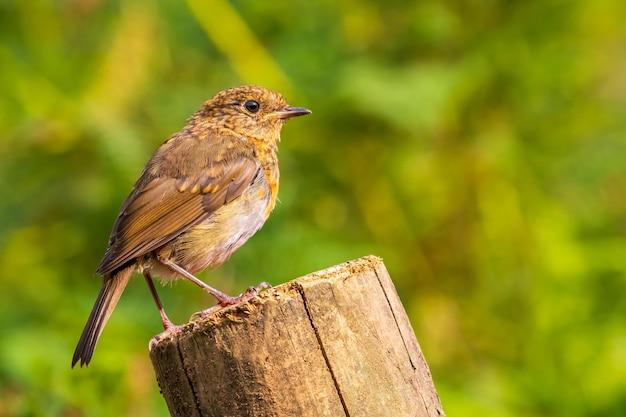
203,193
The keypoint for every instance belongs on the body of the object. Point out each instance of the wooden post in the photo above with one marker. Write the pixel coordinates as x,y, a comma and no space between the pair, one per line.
332,343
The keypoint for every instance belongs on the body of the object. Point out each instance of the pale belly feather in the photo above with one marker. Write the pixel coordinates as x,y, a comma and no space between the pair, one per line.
211,243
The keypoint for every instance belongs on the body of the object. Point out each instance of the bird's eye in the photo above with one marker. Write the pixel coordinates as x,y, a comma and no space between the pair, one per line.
252,106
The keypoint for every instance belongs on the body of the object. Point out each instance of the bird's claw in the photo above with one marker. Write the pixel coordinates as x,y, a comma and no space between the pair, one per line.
173,329
248,294
253,291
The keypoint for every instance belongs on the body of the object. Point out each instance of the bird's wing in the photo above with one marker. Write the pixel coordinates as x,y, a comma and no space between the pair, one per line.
162,208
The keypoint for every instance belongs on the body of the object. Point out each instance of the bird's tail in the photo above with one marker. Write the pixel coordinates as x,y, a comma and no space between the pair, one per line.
112,289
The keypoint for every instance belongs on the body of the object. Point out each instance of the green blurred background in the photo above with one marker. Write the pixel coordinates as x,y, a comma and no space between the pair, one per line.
479,146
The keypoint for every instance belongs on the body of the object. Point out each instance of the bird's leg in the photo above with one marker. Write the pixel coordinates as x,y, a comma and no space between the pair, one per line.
222,299
168,326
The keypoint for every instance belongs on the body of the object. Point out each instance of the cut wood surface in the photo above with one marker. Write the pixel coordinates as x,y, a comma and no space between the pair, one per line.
332,343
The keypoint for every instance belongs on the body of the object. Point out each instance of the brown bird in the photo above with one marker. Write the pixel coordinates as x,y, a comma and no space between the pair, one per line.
202,195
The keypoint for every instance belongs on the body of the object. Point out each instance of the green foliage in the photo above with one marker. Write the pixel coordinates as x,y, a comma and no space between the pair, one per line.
477,146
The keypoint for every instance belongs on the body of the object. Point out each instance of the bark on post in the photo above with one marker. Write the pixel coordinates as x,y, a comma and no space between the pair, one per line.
332,343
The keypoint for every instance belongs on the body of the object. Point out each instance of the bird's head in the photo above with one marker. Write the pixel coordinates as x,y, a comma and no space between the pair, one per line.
250,111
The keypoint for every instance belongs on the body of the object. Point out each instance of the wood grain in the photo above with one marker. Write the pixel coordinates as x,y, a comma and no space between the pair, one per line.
332,343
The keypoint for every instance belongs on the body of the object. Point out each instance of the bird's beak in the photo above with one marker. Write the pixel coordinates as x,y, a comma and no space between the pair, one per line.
289,112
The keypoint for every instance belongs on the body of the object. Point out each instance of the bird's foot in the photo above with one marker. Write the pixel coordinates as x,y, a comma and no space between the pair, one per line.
169,331
251,292
244,296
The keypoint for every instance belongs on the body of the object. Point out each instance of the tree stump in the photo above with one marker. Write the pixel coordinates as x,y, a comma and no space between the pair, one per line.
332,343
